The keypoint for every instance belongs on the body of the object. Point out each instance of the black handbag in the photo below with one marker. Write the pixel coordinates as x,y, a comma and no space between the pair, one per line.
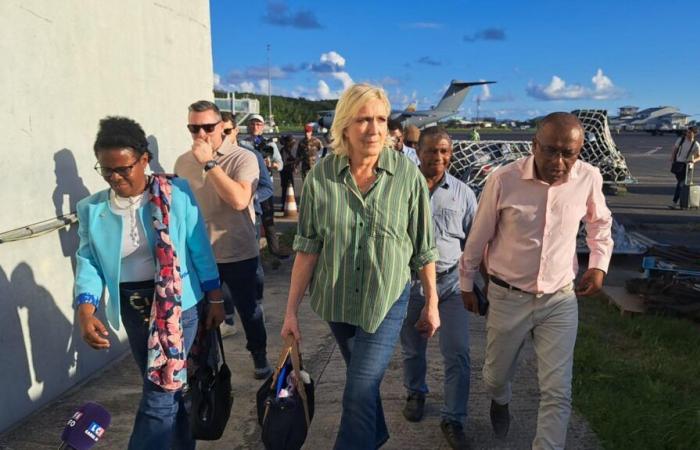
678,168
285,421
209,392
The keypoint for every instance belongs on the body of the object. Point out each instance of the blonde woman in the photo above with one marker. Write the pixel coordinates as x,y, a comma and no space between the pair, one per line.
364,224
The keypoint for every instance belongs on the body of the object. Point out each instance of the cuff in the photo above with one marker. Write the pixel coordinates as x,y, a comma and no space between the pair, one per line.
418,261
87,298
306,245
210,285
598,262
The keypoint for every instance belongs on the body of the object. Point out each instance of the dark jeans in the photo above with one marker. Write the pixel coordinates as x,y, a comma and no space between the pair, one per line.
287,178
259,273
239,279
680,181
268,223
162,421
366,355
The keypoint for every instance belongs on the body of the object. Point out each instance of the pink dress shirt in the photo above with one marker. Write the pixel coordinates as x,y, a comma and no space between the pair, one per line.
526,229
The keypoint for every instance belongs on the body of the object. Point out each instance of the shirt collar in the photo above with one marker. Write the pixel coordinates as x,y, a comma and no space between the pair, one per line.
226,147
386,162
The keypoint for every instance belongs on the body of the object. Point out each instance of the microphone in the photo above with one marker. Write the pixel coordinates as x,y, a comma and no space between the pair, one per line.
85,427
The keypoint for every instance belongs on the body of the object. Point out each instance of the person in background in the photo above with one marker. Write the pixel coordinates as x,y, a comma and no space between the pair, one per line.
289,147
308,150
453,206
273,160
224,178
686,151
396,133
525,230
411,136
364,224
145,240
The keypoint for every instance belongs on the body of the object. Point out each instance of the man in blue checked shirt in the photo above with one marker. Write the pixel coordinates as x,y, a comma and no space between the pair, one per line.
453,206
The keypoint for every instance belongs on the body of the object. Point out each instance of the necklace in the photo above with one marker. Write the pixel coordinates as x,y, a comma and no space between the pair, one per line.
132,205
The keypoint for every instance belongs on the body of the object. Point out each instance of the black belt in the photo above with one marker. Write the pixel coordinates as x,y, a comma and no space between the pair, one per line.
497,281
446,272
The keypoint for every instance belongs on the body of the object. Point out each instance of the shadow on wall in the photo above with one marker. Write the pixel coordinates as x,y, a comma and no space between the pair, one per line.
69,190
156,167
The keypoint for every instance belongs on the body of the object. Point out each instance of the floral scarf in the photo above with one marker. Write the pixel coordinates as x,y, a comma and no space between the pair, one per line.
167,361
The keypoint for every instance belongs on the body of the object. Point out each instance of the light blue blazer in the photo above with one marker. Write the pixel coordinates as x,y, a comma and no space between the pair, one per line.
99,252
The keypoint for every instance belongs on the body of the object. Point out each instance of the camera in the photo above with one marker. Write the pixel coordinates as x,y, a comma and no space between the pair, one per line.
264,146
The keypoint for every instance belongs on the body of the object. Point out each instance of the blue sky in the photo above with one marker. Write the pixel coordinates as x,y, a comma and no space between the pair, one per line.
544,55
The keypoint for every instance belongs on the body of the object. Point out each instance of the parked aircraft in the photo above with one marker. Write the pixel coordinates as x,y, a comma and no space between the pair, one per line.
448,106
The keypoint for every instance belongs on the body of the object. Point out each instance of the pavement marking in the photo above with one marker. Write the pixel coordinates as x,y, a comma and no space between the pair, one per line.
654,150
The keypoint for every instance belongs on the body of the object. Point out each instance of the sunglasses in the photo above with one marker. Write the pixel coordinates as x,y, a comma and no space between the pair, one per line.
107,172
207,127
227,131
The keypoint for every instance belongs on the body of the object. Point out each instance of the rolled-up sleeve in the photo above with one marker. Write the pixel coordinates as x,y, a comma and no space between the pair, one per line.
420,226
198,242
598,222
307,239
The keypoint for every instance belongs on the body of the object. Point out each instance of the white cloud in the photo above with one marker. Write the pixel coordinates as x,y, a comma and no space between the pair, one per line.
333,58
557,89
263,86
246,86
323,90
217,80
344,78
485,92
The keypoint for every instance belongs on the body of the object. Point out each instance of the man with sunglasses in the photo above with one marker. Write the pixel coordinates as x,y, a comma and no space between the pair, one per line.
224,177
525,230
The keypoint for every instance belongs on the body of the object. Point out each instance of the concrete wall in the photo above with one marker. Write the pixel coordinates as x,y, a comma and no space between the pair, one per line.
65,65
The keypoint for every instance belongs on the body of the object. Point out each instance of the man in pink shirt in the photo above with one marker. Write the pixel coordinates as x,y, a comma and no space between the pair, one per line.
525,233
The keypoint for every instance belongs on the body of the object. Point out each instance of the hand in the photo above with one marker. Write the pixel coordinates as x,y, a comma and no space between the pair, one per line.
590,283
471,304
290,327
215,315
202,150
429,322
92,330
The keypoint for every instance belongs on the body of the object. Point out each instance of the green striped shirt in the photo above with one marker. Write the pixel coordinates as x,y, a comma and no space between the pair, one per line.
367,244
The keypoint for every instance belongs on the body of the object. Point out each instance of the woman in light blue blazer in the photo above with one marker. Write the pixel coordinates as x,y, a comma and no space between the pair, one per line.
145,241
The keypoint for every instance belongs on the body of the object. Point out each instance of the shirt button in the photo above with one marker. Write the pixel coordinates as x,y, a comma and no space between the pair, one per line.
357,290
361,224
358,268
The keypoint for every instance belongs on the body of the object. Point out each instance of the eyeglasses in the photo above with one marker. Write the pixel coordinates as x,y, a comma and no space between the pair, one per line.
207,127
227,131
411,143
123,171
551,153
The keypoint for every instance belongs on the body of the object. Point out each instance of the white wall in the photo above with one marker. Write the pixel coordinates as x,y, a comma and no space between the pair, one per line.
65,65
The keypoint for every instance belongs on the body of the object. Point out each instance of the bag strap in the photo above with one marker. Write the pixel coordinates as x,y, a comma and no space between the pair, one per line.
221,345
281,360
296,365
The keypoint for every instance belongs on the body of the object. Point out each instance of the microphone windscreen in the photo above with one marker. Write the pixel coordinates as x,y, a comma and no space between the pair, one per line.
86,426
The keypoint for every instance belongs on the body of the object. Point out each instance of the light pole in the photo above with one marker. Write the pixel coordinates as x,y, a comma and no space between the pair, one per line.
269,88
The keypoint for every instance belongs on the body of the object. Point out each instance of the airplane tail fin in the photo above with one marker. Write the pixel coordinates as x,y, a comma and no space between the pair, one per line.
455,94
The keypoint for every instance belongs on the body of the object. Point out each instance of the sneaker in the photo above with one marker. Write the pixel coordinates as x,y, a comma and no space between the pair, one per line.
262,367
454,433
673,205
415,404
500,419
227,330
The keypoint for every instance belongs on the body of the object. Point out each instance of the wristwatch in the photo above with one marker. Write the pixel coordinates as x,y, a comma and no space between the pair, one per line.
210,165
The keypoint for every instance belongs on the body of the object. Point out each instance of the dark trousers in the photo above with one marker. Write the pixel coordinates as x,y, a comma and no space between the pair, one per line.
680,181
287,178
268,223
239,278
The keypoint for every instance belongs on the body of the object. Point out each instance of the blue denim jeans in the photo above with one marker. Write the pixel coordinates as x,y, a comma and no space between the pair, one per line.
162,421
366,356
239,280
454,346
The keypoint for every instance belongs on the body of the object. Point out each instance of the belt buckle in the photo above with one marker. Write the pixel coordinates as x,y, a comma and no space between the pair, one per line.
140,304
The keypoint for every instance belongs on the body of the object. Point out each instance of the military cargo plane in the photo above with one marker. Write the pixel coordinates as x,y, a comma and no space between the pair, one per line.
448,106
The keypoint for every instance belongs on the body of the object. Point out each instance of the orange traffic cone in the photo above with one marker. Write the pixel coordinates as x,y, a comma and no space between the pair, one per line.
290,203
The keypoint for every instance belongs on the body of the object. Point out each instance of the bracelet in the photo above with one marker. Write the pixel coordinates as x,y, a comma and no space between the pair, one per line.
216,302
